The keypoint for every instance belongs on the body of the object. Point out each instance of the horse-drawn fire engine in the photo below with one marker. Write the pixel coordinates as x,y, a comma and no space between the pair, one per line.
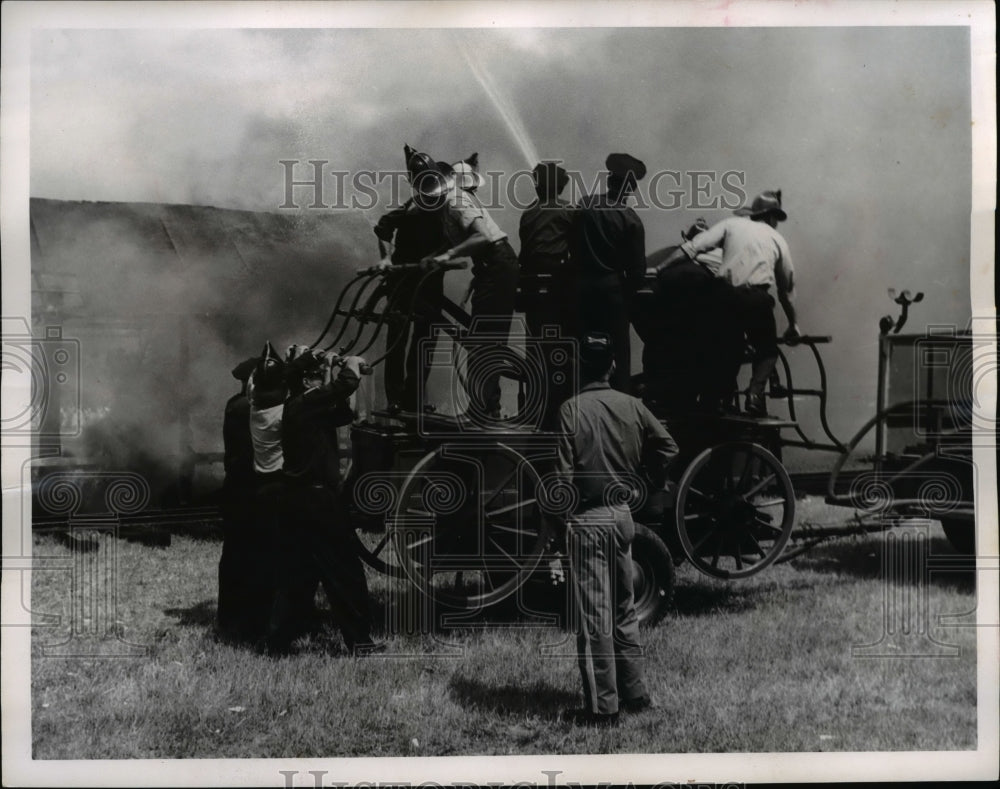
463,508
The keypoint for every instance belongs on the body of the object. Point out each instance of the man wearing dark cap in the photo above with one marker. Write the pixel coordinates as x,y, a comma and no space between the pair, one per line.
607,440
755,260
547,285
243,592
316,539
608,250
415,230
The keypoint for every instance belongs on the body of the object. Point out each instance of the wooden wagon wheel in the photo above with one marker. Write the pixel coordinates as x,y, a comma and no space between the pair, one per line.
735,510
467,528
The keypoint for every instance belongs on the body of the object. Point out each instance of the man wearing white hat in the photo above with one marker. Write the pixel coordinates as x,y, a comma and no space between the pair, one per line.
755,259
466,174
472,233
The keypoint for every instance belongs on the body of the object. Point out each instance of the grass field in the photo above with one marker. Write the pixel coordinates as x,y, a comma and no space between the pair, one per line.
760,665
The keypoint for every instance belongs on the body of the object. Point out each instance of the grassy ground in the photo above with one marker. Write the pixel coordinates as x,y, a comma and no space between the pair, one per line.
760,665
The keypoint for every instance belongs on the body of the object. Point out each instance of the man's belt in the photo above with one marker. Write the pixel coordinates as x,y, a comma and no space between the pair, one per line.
484,261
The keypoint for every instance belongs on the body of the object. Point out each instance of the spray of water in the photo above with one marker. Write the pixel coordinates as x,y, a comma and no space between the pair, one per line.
501,102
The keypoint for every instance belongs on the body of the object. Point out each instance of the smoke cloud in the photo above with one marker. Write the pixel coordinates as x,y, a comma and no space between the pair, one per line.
165,300
866,131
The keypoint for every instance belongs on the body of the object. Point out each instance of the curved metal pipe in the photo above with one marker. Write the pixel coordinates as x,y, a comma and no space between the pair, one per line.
822,398
409,316
372,279
336,308
364,314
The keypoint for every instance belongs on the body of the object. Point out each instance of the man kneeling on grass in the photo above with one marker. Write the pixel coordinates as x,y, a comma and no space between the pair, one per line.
316,538
607,439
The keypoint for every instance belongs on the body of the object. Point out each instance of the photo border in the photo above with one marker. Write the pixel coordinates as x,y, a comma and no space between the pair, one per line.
20,18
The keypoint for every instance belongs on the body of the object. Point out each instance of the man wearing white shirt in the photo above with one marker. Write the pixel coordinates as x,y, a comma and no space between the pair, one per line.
755,259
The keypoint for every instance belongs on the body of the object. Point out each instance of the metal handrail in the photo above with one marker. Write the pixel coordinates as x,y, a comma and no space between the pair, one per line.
833,497
336,307
790,391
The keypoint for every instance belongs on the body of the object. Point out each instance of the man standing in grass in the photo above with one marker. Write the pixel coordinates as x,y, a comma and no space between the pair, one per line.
243,595
316,540
607,439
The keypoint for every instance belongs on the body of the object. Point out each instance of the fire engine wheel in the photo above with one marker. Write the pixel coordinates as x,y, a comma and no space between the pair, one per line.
735,510
467,528
652,576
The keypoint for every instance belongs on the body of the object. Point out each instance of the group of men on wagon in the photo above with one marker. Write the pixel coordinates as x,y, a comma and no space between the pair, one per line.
593,258
583,269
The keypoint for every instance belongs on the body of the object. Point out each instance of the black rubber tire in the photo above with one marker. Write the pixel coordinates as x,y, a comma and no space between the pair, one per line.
652,576
961,534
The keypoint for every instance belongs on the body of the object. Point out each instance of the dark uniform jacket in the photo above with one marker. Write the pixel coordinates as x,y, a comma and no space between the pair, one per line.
608,238
309,431
236,441
418,233
544,233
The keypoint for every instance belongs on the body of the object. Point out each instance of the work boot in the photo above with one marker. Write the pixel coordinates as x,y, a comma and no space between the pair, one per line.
640,704
756,405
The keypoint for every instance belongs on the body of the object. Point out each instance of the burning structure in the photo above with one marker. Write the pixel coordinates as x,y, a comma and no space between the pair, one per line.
158,302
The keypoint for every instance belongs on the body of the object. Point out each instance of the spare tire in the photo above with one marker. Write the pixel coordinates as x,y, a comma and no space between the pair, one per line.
652,576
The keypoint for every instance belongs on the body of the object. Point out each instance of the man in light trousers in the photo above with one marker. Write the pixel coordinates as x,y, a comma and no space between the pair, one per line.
607,438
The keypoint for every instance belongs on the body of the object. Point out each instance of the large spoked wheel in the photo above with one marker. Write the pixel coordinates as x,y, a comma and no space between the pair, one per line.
735,510
467,528
652,576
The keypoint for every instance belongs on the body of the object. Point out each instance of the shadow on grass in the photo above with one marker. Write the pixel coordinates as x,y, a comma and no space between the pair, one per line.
538,699
404,610
199,615
539,605
696,599
864,559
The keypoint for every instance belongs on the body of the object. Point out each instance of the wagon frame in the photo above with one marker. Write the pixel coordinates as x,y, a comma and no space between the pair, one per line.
430,498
